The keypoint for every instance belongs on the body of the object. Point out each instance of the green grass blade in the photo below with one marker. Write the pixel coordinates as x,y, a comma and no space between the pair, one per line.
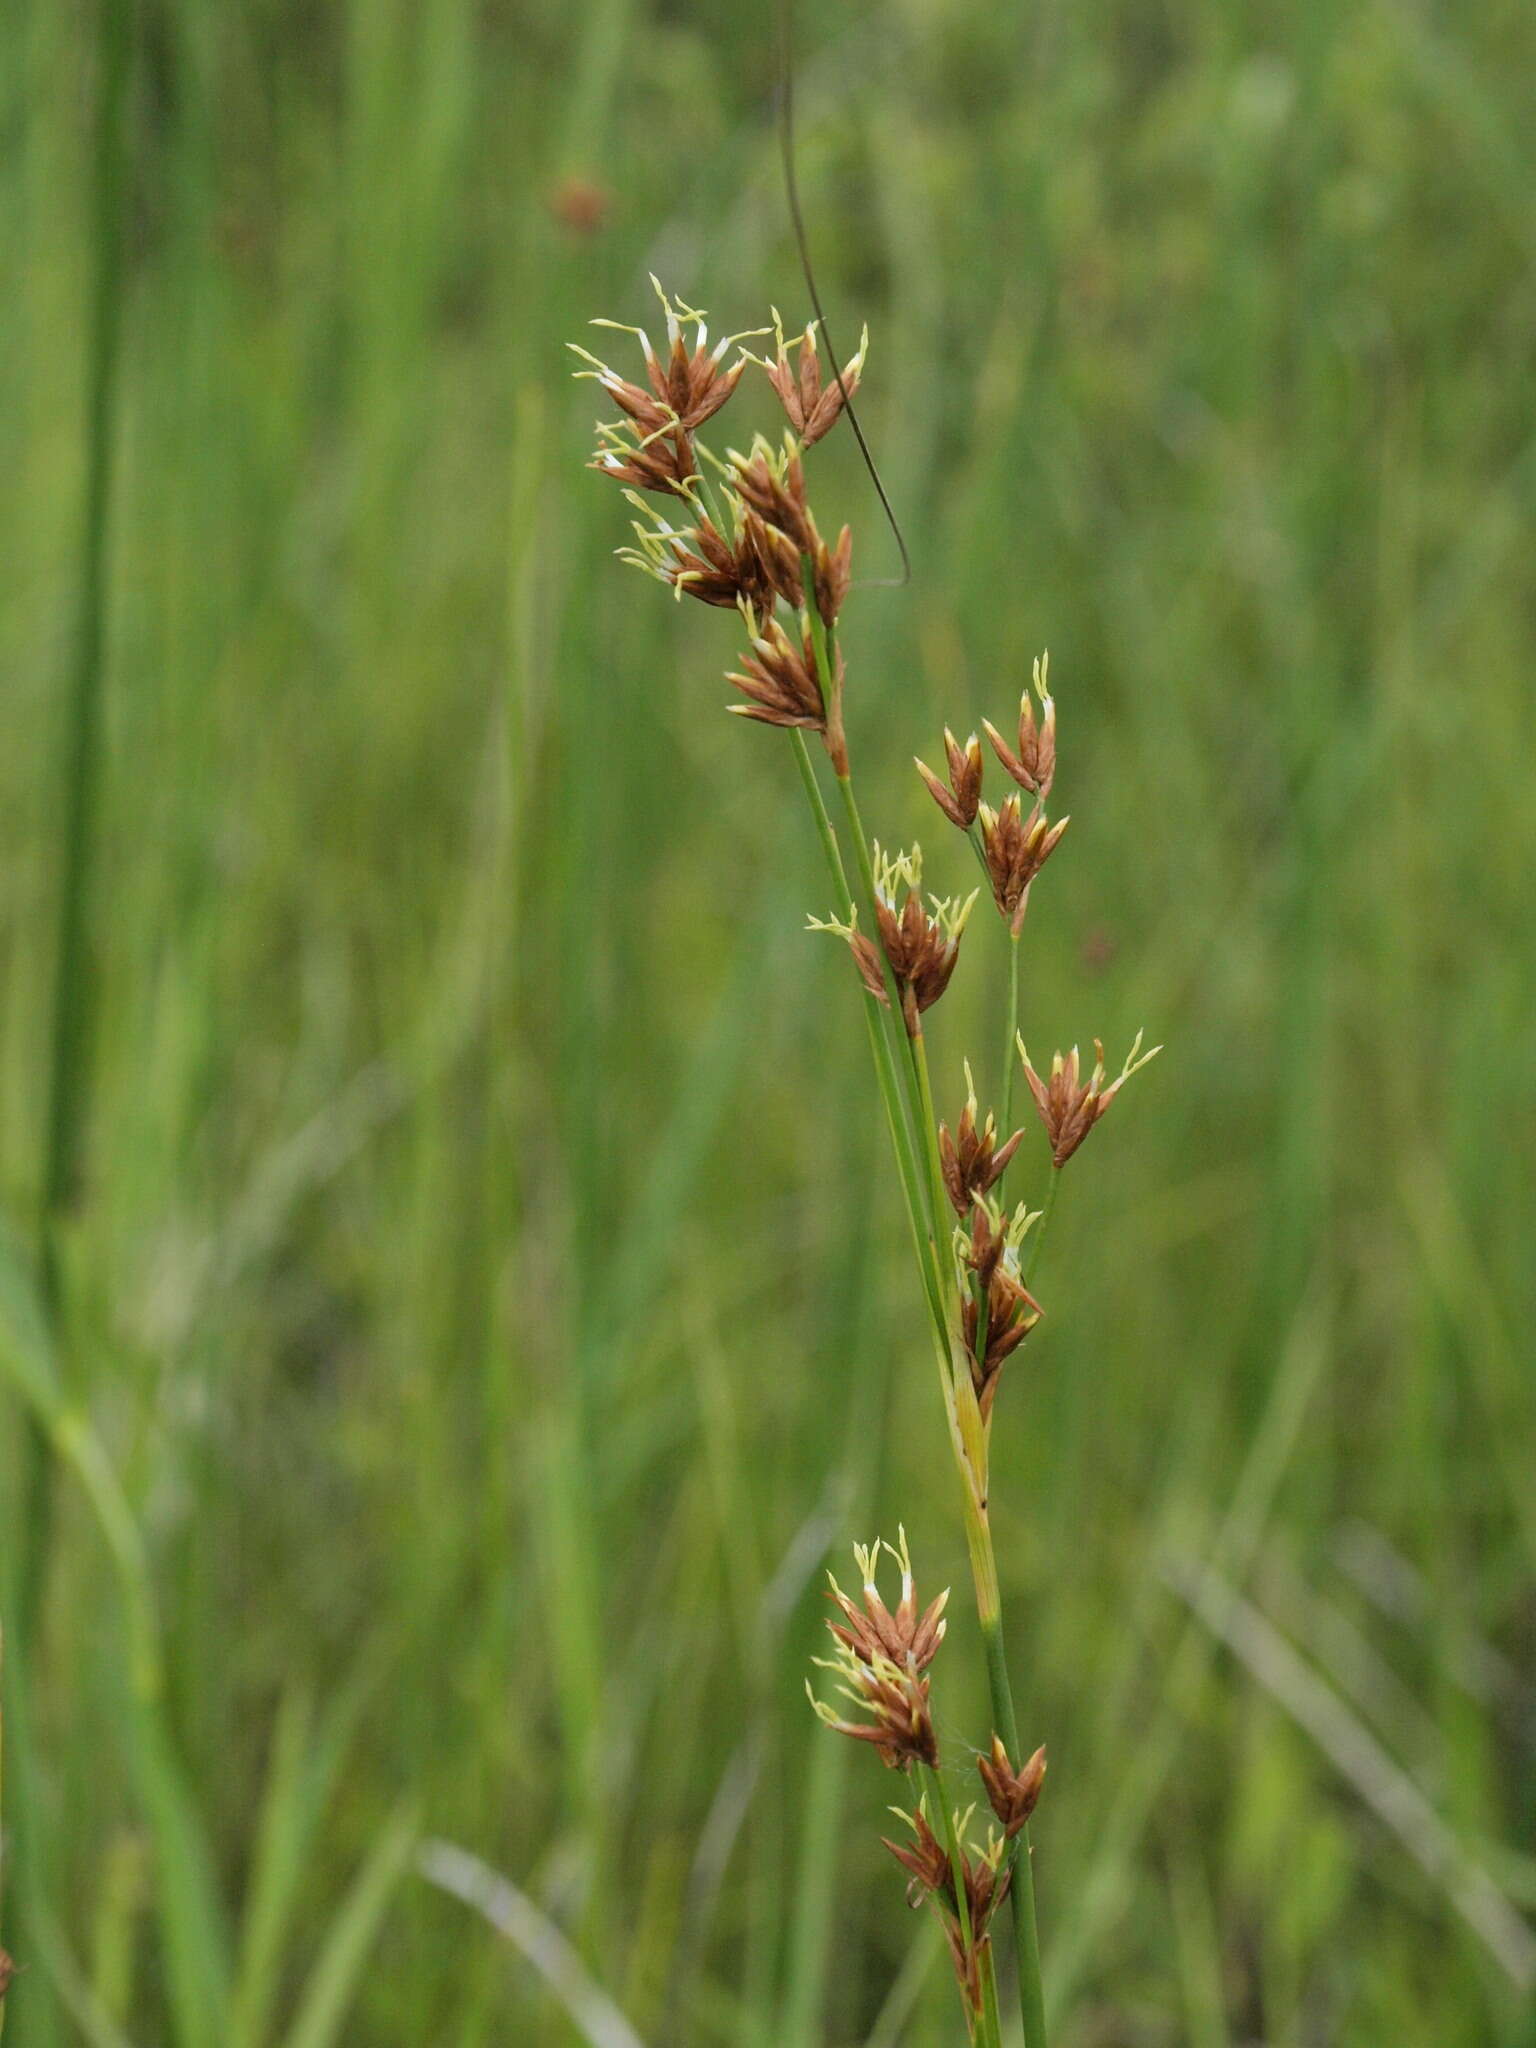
338,1969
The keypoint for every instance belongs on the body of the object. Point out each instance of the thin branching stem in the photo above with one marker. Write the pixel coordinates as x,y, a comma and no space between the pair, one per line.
978,1533
1043,1225
1011,1042
879,1040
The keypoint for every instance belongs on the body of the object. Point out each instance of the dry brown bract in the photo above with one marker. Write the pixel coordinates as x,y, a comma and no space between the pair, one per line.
1014,1795
1069,1106
1015,852
958,802
811,410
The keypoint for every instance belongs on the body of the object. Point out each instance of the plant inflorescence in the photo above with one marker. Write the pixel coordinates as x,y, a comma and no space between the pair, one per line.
738,532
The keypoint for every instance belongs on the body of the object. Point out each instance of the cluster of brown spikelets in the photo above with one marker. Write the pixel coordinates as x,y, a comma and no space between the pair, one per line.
738,532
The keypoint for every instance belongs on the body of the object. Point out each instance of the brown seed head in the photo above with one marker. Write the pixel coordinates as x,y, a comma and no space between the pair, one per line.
1034,765
688,385
992,1253
927,1860
772,483
1015,851
900,1725
921,946
987,1883
811,410
1069,1106
7,1972
580,204
663,461
973,1163
959,800
1013,1794
780,679
880,1661
872,1631
985,1875
770,563
832,570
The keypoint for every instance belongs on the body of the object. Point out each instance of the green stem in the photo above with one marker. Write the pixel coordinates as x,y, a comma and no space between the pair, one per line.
936,1189
73,969
952,1366
1011,1042
879,1038
1042,1226
1026,1934
934,1785
992,2018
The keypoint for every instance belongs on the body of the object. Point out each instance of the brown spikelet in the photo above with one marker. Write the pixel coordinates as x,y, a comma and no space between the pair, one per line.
906,1637
1069,1106
958,801
662,462
780,680
973,1162
1011,1310
773,486
926,1861
811,410
1015,850
1013,1794
922,948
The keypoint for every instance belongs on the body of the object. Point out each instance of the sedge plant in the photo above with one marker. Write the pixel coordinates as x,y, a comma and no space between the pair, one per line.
737,531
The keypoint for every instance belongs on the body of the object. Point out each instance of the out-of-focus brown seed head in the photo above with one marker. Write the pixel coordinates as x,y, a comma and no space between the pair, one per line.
810,409
581,204
1013,1794
7,1972
1033,767
973,1162
1015,850
959,800
1069,1106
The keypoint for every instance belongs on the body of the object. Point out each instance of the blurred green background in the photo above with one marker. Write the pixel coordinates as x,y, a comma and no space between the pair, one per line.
462,1302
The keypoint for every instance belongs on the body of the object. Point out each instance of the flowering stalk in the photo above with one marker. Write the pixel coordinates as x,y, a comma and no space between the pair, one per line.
738,533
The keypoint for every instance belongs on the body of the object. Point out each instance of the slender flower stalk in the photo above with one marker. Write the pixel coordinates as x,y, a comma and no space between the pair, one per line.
738,533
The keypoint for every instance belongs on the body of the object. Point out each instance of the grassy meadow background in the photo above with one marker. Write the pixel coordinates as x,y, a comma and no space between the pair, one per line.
481,1306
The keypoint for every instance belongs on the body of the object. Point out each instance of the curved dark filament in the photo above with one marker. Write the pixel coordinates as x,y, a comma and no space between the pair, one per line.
797,220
